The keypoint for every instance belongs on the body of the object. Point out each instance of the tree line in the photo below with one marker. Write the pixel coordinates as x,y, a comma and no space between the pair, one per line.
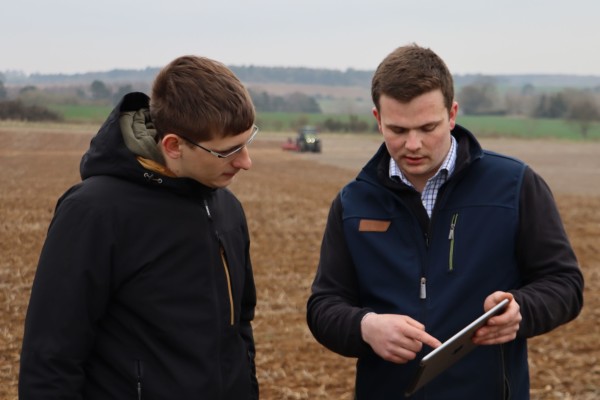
250,74
100,93
17,110
263,101
578,105
482,95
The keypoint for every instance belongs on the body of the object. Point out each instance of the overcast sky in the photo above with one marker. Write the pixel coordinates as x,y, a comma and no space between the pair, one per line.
473,36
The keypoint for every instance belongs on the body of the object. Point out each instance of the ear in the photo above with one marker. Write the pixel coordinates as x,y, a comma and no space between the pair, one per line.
378,118
171,146
453,113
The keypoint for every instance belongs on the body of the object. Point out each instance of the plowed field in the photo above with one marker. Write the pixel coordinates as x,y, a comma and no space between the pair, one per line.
286,197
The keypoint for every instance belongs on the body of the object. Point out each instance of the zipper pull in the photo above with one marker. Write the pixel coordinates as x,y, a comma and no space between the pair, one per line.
452,226
207,210
423,291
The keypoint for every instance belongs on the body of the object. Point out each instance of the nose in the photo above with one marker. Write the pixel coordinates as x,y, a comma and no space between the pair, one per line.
242,161
413,141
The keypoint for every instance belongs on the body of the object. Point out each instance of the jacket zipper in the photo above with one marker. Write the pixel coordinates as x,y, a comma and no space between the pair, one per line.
451,238
139,379
506,395
423,279
229,290
225,268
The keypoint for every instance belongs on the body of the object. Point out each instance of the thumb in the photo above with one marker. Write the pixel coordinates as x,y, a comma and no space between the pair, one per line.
496,298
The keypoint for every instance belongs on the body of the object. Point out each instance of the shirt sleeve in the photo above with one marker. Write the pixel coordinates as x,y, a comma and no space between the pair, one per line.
333,311
552,290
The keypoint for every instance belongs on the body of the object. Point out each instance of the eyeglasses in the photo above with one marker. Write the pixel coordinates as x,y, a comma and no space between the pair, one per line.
229,153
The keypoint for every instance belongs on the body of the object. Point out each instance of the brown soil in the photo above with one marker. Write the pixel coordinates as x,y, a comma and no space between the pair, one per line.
287,196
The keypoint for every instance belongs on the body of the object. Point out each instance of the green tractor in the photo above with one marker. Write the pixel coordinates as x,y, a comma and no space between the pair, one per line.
308,140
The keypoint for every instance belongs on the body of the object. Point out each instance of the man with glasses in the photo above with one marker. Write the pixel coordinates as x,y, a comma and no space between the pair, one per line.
144,287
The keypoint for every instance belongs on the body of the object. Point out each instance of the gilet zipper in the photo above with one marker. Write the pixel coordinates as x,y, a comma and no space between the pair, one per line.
451,236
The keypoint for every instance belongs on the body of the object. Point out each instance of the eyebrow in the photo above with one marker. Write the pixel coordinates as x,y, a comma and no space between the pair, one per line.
392,126
230,148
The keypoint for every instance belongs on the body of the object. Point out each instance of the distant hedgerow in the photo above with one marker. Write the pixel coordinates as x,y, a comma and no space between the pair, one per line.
16,110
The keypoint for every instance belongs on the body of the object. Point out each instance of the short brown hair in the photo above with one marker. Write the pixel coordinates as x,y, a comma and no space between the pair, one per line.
200,98
410,71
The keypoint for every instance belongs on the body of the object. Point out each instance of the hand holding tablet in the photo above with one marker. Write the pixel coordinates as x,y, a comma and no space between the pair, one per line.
451,350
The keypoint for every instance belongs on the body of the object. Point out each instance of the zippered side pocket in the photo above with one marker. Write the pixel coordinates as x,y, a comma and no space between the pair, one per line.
451,236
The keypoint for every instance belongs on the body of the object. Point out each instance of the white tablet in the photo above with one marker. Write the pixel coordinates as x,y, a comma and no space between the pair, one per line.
451,350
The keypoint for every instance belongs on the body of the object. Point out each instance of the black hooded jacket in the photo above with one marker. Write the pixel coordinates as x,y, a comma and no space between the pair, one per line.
144,288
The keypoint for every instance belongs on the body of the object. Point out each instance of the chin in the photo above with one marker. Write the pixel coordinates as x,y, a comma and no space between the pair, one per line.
222,183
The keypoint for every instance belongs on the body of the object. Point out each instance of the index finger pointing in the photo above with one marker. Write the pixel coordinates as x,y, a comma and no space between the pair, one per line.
427,339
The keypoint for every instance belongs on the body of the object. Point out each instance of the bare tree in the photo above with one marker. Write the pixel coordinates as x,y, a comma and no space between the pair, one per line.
551,105
3,93
583,110
479,97
99,90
